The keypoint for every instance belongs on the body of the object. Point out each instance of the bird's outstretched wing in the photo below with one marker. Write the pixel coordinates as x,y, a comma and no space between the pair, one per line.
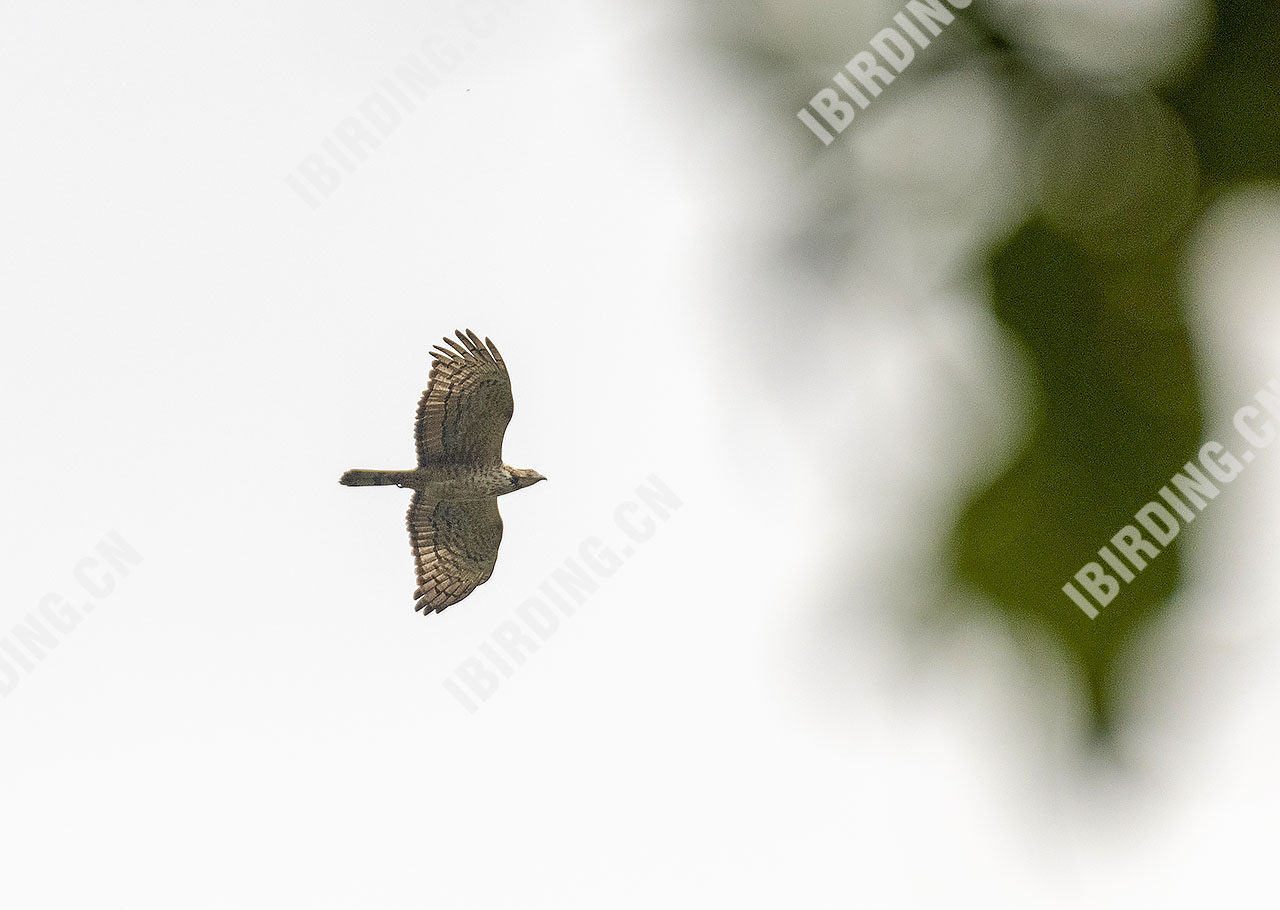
455,545
467,405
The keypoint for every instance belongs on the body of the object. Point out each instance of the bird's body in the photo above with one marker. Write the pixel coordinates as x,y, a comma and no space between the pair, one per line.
443,480
453,520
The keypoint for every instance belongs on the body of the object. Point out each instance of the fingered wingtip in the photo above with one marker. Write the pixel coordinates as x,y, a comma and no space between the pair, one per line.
466,343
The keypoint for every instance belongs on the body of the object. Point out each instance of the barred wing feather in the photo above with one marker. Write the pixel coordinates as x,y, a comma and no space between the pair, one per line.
455,545
464,412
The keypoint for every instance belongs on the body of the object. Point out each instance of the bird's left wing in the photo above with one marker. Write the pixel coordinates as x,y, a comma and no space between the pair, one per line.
455,545
464,412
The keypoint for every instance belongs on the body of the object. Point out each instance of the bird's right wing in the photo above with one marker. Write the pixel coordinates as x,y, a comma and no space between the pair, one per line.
455,546
465,410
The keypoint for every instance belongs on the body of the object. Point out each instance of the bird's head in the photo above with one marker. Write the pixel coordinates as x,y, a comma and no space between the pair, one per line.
522,477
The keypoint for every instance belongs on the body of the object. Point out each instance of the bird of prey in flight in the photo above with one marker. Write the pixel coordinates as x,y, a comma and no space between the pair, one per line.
454,525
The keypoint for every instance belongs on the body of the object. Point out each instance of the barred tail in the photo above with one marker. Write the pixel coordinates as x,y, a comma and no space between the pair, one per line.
360,478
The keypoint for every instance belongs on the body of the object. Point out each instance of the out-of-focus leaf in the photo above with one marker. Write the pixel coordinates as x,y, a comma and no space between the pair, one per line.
1117,415
1091,286
1097,303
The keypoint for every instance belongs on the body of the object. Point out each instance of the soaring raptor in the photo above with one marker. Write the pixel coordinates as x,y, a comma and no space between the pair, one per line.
454,525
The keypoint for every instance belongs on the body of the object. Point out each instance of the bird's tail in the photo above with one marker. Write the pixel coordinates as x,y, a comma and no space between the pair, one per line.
359,478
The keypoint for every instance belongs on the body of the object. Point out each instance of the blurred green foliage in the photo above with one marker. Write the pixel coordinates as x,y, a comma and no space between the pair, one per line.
1091,285
1117,415
1101,310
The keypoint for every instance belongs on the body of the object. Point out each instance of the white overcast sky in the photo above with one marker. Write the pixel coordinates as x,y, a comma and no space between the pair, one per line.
254,717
